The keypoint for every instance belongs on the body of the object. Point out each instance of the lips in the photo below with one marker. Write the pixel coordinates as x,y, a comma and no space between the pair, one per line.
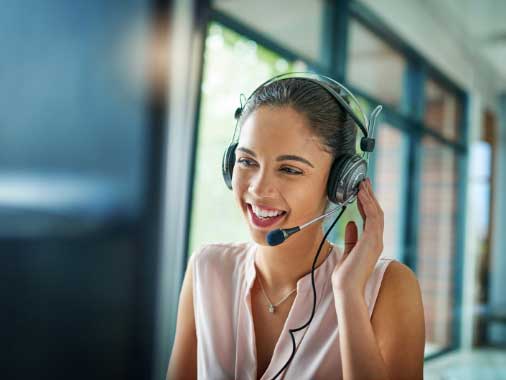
264,223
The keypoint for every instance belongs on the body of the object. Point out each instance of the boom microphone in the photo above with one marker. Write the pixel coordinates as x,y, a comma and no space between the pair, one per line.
278,236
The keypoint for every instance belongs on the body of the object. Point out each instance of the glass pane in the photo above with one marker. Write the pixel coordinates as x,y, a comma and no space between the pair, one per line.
373,66
481,185
232,65
442,110
436,241
294,24
389,186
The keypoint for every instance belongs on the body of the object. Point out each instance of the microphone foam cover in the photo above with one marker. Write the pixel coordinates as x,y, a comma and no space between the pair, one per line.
275,237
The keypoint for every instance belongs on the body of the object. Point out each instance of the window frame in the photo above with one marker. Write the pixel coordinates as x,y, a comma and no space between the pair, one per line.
409,119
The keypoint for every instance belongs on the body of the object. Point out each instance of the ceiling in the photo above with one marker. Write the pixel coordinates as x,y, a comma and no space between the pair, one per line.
483,23
477,26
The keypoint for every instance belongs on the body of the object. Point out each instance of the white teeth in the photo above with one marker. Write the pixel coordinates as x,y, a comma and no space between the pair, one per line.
265,213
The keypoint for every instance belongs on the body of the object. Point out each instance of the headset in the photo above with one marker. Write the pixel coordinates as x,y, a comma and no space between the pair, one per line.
347,170
346,173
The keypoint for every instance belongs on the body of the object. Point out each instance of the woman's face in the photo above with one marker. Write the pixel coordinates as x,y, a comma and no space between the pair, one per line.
280,166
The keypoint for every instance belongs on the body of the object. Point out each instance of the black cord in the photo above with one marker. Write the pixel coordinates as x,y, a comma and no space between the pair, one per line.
314,296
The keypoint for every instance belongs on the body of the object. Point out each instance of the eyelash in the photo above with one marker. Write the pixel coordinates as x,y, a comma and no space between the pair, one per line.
291,172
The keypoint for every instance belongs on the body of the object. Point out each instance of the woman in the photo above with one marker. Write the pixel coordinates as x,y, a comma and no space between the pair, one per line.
239,300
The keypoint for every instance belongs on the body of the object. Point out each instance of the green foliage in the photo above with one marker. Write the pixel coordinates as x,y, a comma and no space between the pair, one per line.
232,65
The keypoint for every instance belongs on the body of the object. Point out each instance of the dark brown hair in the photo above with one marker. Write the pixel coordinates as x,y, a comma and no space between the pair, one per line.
330,122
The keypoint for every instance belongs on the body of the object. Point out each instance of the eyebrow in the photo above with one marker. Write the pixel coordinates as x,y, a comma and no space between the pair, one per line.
284,157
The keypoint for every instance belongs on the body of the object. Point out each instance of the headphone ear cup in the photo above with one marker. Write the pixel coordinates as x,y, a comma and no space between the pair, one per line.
346,173
227,164
333,181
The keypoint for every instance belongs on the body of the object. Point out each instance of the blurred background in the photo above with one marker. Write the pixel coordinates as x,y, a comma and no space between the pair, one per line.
114,116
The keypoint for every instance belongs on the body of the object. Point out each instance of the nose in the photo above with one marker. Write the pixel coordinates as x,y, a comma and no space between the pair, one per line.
262,185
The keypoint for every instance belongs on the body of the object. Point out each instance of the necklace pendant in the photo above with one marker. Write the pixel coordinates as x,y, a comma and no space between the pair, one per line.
271,308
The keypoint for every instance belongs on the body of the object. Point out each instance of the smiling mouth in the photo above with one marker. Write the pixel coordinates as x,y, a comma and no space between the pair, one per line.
263,222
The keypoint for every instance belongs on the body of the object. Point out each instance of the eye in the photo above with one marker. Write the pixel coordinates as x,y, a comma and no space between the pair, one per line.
244,162
291,171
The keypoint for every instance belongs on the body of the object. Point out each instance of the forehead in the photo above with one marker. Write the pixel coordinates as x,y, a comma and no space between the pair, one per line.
279,130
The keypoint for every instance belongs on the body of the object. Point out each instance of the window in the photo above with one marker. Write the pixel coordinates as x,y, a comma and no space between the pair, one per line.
377,68
294,24
482,167
442,110
436,241
232,65
389,181
373,66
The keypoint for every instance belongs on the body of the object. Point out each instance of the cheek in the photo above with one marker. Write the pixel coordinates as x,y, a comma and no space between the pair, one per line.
310,198
239,183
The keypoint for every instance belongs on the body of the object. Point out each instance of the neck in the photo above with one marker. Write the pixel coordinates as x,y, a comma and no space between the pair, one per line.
283,265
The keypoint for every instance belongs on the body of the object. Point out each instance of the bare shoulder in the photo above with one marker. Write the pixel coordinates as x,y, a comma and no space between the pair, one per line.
399,292
399,279
398,322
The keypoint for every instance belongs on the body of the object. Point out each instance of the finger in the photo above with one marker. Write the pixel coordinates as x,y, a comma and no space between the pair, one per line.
374,228
371,193
361,188
379,210
370,210
350,237
362,213
360,205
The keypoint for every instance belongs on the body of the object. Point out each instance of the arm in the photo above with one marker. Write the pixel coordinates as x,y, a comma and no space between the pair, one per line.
399,324
183,361
391,344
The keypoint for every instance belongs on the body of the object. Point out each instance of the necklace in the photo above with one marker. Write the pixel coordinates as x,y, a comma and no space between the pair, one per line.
271,306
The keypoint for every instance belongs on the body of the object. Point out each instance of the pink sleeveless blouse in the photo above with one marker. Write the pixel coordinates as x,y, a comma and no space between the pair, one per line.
223,275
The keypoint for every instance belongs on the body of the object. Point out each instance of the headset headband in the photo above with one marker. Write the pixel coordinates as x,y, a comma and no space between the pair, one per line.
367,142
